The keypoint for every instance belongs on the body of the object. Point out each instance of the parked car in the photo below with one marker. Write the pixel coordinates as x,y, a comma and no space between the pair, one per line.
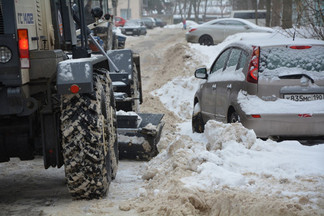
149,22
119,21
159,22
215,31
134,27
275,88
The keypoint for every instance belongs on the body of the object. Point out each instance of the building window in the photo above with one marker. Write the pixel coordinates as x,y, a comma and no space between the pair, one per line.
125,15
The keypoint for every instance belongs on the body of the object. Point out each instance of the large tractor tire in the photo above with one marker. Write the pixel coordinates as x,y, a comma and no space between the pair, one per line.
135,91
89,140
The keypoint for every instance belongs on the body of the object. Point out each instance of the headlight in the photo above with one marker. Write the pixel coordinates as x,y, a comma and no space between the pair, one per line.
5,54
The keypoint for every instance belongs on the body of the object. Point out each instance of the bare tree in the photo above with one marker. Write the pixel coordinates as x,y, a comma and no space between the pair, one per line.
255,6
205,10
287,14
276,13
196,7
268,8
310,19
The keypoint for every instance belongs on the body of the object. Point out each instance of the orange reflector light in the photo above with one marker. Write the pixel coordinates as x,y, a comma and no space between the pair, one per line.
300,47
193,29
74,88
256,116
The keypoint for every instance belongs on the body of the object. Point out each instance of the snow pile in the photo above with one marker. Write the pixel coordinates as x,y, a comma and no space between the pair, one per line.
227,170
189,24
177,95
252,104
192,177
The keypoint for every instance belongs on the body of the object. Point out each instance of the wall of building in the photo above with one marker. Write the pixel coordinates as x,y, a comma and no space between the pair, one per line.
135,9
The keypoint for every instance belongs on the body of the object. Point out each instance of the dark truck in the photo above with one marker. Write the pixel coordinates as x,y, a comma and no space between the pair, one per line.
59,98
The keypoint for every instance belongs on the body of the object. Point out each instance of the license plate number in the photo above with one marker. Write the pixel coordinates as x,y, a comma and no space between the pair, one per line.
304,97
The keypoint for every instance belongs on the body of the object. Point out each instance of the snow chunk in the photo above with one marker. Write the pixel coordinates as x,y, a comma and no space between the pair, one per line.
219,135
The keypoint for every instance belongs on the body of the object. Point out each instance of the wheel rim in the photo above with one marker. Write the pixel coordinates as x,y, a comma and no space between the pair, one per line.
206,40
234,118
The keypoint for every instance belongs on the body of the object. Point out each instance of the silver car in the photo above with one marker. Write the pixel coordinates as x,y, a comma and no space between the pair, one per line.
215,31
274,88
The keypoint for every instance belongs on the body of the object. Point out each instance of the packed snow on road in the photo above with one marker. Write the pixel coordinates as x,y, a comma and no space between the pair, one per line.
226,170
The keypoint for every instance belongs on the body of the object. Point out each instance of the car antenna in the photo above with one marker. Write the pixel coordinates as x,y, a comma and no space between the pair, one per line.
294,35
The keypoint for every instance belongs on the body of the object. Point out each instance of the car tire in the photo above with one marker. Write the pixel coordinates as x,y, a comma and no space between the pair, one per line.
206,40
89,138
198,125
233,117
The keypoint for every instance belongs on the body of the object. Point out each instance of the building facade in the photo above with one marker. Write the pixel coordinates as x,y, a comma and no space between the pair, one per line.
129,9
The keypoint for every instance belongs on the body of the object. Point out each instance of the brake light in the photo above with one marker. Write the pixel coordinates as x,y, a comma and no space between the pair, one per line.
193,29
305,115
252,75
300,47
256,116
23,45
74,88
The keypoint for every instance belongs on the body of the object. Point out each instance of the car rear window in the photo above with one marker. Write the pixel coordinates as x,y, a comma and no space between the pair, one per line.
275,61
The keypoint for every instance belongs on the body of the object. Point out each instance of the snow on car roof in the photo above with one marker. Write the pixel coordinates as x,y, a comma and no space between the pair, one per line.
234,19
271,39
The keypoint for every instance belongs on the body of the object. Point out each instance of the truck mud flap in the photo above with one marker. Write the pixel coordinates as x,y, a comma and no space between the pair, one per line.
138,140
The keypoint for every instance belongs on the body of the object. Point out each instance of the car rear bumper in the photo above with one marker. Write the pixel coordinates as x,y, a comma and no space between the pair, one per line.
286,125
191,38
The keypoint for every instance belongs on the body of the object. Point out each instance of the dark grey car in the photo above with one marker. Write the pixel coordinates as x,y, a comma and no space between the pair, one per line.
134,27
275,88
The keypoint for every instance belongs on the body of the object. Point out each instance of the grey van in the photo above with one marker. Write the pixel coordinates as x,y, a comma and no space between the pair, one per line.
275,87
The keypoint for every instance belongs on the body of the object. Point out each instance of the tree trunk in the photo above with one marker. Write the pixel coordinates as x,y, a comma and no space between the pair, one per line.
205,11
189,10
261,4
255,7
287,14
268,8
276,13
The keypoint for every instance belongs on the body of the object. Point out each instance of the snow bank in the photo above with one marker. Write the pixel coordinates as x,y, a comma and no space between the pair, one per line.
177,95
189,175
227,170
252,104
189,24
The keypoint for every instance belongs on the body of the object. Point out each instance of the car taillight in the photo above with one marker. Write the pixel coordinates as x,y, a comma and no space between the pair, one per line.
193,29
23,45
300,47
74,88
252,75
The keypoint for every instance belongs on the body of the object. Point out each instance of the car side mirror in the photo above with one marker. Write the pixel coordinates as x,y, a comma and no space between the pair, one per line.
201,73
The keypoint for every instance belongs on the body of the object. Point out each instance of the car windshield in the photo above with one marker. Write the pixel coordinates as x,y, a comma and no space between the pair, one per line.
132,23
277,61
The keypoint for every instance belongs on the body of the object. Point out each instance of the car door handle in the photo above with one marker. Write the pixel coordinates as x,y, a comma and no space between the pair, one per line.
214,86
229,86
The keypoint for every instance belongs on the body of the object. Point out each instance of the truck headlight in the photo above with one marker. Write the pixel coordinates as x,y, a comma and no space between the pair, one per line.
5,54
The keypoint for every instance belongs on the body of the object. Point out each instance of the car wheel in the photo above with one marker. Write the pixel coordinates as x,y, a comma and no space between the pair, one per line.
206,40
198,125
233,117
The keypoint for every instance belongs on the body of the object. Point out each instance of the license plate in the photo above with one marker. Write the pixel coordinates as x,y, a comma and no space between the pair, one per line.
304,97
129,32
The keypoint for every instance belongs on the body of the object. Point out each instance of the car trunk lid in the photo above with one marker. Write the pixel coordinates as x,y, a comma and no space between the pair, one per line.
291,72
